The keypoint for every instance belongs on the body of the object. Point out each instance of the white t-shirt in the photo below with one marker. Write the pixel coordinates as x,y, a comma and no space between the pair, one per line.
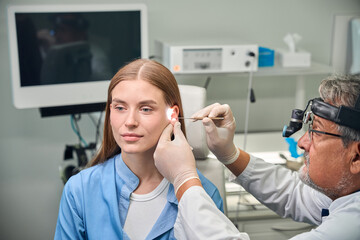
144,210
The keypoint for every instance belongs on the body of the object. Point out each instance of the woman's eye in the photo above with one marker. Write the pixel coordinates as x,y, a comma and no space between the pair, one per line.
146,109
120,108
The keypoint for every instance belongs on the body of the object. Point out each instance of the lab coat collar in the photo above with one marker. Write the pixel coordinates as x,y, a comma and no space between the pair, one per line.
339,203
343,201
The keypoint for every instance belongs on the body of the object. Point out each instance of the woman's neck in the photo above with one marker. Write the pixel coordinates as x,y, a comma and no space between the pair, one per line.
142,165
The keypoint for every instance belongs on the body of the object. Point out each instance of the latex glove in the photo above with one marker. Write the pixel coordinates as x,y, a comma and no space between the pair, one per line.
220,133
174,159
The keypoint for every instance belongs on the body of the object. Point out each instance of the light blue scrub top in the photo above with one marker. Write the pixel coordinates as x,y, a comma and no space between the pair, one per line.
95,202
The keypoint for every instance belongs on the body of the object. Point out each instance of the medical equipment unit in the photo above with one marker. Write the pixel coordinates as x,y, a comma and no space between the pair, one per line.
63,56
212,58
345,116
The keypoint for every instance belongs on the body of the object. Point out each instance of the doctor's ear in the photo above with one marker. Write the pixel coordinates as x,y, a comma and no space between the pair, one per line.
355,163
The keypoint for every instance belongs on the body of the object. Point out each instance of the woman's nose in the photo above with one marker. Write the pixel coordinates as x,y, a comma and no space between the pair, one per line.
131,119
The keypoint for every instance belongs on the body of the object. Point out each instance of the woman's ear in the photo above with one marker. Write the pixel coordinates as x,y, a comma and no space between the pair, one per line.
175,112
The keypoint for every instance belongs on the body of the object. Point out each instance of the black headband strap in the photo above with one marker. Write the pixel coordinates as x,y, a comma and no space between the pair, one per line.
345,116
357,104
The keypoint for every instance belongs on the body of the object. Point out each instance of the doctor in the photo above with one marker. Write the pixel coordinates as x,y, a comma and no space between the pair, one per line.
324,192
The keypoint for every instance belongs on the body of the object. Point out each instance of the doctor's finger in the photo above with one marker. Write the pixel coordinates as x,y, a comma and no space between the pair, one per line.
178,134
210,128
221,111
205,111
166,134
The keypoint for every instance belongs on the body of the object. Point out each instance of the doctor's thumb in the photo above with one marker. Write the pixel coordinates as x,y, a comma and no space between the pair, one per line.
177,130
209,126
166,134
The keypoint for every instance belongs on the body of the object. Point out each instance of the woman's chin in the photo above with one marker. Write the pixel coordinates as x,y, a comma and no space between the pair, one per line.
135,150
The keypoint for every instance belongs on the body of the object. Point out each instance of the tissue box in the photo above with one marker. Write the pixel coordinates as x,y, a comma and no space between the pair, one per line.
294,59
266,57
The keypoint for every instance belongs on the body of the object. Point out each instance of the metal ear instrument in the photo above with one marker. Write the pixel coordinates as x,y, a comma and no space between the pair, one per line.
201,118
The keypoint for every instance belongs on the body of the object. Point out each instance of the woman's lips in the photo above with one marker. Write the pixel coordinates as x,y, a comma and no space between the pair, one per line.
131,137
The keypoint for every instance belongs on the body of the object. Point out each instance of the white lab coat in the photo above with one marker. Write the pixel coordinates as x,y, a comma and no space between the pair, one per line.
282,191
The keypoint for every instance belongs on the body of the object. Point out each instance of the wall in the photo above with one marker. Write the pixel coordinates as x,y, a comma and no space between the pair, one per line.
32,148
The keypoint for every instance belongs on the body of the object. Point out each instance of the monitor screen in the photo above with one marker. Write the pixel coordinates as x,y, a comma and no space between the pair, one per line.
66,54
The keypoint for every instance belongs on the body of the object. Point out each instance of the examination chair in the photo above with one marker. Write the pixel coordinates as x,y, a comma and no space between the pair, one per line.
193,99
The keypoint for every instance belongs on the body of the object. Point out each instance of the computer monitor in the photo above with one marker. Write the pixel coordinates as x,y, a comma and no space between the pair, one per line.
65,55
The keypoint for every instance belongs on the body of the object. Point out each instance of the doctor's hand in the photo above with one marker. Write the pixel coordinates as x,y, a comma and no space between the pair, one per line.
174,159
220,133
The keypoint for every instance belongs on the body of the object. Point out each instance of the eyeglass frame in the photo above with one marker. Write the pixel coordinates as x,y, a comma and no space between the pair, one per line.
310,130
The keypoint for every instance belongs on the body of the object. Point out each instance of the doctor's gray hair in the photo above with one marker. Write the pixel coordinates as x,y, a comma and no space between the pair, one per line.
342,90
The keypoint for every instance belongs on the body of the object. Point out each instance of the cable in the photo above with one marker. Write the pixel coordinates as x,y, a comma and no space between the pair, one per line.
250,98
208,79
97,126
93,146
76,129
97,135
92,119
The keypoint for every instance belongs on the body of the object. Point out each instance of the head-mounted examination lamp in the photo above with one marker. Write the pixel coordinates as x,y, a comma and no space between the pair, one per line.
343,115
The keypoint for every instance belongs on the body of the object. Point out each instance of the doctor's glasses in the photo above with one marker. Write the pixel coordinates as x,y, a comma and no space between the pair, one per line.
309,122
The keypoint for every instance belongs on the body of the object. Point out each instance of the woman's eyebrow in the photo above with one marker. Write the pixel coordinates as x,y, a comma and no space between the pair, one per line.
118,100
145,102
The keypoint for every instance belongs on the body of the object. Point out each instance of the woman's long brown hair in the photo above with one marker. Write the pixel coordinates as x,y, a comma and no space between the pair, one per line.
147,70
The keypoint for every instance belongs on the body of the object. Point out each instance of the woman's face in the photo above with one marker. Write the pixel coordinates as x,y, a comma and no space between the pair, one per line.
137,115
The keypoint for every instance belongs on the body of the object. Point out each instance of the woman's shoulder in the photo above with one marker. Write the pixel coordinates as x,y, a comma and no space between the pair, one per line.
211,190
207,184
93,173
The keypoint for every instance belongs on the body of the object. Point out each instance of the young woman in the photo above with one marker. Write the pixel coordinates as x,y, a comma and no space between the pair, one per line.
122,195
